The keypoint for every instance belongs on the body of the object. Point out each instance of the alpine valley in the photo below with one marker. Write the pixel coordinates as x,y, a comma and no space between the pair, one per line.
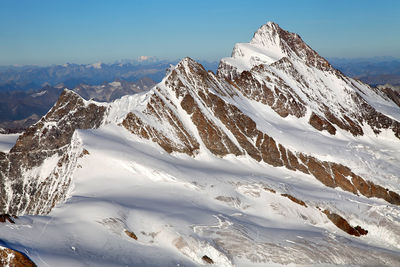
276,159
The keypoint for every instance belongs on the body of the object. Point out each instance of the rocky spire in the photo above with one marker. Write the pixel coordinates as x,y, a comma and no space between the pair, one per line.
269,44
271,36
267,35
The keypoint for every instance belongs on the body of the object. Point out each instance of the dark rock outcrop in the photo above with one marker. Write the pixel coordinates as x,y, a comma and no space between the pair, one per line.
292,43
392,92
299,76
51,137
160,111
194,109
229,131
6,217
321,124
207,259
342,224
131,234
13,258
295,200
273,92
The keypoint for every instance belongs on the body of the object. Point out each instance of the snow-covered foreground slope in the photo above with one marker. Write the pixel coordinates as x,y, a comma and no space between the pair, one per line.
181,209
277,158
7,141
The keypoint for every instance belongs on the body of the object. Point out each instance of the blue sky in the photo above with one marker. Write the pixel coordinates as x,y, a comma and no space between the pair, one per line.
86,31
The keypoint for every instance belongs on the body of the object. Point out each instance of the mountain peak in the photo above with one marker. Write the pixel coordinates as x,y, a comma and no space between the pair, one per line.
187,61
272,35
267,35
188,65
269,44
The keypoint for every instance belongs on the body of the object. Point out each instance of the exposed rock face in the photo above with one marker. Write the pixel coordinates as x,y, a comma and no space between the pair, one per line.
271,35
279,43
321,124
224,129
278,69
391,91
207,259
131,234
341,223
295,200
193,110
270,90
202,114
50,146
12,258
159,111
20,109
6,217
360,230
377,120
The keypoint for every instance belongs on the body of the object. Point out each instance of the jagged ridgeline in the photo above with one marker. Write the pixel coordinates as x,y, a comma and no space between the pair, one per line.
37,172
193,110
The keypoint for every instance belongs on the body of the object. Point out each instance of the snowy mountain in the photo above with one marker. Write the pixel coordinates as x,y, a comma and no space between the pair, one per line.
373,71
392,91
21,109
278,158
71,75
107,92
31,77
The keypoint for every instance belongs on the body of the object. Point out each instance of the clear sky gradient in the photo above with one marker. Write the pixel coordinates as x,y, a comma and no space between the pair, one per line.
86,31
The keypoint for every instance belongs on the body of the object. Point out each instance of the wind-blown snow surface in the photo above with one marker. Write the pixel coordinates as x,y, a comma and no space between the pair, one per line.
181,209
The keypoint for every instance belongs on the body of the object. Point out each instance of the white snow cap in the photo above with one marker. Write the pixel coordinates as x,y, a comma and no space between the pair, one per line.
264,48
267,35
269,44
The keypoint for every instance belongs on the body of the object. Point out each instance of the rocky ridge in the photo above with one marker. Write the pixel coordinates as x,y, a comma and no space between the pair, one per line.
392,92
108,92
193,110
12,258
282,67
228,130
36,173
194,114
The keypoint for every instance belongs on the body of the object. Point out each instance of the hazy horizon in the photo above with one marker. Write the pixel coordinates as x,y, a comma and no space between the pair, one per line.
371,58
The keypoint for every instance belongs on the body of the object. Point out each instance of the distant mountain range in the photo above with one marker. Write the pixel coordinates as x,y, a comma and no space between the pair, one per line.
28,92
373,71
20,109
107,92
24,78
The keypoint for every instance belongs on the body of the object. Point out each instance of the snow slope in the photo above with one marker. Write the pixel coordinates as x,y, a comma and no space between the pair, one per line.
7,141
153,186
181,209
